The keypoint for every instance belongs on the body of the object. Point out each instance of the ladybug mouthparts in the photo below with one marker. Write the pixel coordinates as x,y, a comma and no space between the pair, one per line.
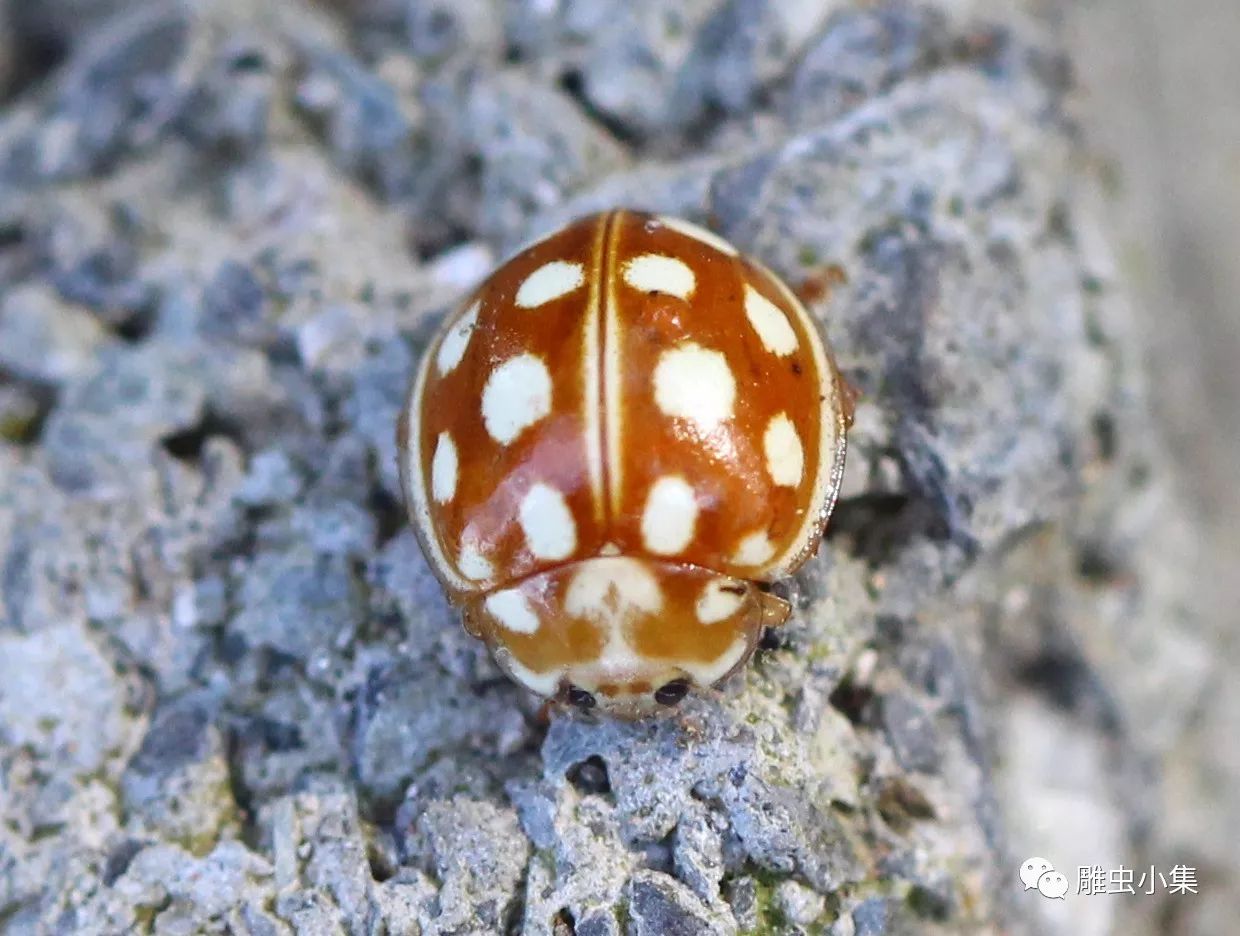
625,634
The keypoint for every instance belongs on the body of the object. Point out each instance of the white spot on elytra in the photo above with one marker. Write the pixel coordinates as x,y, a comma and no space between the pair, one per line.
473,564
513,611
689,229
696,384
548,523
550,281
754,549
612,590
769,322
658,273
785,459
444,469
719,600
669,517
452,348
516,395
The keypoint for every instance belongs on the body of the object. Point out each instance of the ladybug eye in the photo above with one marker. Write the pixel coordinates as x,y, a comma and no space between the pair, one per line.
672,692
580,697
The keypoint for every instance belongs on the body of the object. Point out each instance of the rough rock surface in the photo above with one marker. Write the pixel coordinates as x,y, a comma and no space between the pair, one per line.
232,698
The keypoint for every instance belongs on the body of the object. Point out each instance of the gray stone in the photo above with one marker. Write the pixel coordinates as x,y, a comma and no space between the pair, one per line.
104,278
861,53
738,54
287,736
410,715
697,852
20,413
45,341
659,904
528,144
175,891
360,119
439,30
586,867
799,904
271,479
177,786
317,843
535,146
115,94
598,923
742,897
630,58
870,917
477,852
300,603
910,732
232,303
80,727
377,394
229,110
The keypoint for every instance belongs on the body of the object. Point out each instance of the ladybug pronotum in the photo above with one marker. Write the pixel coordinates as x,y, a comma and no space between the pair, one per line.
611,447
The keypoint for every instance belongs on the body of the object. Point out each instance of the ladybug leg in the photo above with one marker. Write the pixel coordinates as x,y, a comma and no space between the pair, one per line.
819,281
771,640
542,718
775,610
692,725
849,395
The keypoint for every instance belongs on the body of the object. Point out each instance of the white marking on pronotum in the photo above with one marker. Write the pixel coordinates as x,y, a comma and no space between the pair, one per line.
550,281
610,591
695,383
544,684
516,395
443,469
785,459
513,611
473,564
754,549
718,601
670,516
769,322
707,674
456,340
548,523
689,229
662,274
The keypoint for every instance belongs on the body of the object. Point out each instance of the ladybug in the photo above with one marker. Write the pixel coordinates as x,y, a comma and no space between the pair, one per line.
612,447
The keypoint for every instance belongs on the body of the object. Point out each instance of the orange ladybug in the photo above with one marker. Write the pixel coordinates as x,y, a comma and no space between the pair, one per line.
611,447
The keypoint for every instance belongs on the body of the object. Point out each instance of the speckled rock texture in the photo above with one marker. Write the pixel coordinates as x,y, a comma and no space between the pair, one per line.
232,698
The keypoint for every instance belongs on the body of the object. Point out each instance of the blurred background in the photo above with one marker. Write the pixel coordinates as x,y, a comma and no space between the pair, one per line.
1158,84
